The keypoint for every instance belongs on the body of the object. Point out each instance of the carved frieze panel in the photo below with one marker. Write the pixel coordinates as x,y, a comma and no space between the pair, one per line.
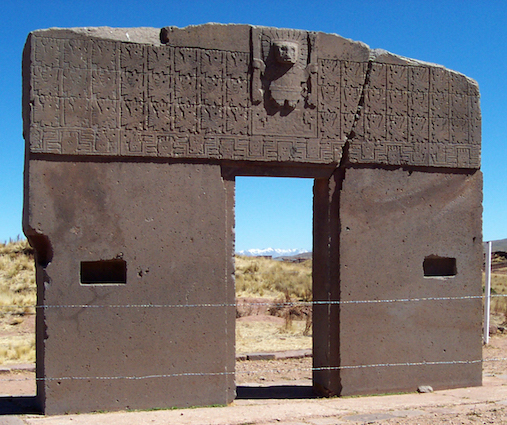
104,55
330,126
212,91
418,105
419,79
76,54
211,119
235,89
133,86
47,111
160,115
280,102
212,63
237,65
185,118
132,57
76,82
303,123
160,87
397,102
47,51
105,84
440,130
160,61
439,105
419,129
185,62
375,127
47,81
397,77
397,128
77,112
186,91
133,115
237,121
424,106
375,101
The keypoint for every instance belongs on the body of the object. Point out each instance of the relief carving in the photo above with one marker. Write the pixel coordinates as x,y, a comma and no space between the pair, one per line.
284,70
280,101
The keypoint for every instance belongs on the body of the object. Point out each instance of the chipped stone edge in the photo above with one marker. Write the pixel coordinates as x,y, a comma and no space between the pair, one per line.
384,56
151,35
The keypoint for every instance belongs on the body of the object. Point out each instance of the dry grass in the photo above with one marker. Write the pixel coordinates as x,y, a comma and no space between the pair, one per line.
17,349
281,284
262,336
273,279
17,298
499,303
17,279
277,282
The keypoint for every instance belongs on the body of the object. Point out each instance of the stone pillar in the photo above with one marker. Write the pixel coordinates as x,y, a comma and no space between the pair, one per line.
137,269
408,235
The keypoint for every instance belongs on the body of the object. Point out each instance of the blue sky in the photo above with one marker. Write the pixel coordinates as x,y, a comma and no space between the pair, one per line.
466,36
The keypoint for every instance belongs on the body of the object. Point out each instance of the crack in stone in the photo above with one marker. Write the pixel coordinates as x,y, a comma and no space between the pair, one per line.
352,134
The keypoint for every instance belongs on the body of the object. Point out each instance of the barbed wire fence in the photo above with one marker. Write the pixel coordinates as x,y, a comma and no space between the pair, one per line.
285,304
486,297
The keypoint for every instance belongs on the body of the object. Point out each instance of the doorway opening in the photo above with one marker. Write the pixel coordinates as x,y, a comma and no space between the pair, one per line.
273,268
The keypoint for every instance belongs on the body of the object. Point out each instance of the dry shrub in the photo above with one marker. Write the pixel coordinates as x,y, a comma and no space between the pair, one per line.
290,309
290,284
499,308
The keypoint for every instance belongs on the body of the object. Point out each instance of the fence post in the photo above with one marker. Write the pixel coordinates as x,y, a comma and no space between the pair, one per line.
487,292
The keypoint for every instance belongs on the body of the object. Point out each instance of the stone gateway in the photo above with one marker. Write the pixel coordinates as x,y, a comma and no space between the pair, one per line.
134,138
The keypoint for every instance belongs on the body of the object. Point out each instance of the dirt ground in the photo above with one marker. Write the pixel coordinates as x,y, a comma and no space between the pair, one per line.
261,372
19,380
252,375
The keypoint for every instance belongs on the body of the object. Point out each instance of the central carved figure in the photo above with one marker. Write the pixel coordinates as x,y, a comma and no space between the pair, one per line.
286,89
282,71
286,51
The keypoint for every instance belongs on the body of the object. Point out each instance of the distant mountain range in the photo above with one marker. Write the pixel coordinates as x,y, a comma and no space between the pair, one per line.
499,245
273,252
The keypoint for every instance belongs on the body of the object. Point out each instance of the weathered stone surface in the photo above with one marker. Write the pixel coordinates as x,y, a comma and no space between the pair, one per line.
133,140
219,92
161,220
390,222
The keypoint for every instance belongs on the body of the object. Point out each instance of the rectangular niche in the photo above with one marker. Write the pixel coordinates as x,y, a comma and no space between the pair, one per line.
103,272
435,266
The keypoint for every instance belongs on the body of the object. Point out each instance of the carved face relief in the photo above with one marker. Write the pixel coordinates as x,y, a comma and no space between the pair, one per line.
281,74
286,52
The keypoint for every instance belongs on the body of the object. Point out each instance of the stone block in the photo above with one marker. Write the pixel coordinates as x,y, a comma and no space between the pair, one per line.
133,140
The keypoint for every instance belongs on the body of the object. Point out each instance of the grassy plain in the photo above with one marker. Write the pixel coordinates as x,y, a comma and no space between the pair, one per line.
257,276
498,289
17,301
276,284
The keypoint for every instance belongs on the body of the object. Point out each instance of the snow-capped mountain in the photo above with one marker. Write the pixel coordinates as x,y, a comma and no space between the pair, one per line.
273,252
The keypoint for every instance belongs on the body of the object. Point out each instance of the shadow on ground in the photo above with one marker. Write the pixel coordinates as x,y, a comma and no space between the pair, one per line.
20,405
274,392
